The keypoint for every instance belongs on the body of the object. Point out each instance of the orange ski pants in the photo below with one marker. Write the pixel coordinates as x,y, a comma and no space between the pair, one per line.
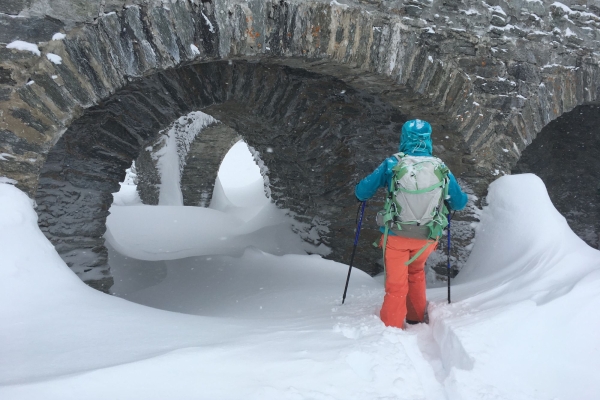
405,294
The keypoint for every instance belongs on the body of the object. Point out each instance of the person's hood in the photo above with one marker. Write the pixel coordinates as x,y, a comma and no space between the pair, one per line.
415,139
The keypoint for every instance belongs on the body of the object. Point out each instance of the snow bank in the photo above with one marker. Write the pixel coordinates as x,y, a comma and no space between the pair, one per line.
172,232
52,324
524,322
63,340
27,256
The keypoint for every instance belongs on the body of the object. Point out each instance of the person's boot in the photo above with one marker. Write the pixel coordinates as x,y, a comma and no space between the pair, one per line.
425,319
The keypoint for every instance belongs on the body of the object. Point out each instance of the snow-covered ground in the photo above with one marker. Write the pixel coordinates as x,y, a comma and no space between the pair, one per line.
223,303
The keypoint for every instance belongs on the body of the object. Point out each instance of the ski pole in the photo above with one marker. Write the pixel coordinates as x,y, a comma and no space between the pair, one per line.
362,211
449,219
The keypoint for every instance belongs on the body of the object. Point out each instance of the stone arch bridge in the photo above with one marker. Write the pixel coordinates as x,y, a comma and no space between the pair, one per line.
327,84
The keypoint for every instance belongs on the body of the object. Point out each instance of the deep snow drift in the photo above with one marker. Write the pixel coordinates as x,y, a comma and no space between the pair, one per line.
266,324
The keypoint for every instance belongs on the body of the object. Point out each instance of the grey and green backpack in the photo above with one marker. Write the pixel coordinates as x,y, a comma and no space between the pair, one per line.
415,205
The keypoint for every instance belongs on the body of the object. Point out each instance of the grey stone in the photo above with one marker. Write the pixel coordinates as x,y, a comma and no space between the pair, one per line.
13,7
71,12
5,77
28,29
202,164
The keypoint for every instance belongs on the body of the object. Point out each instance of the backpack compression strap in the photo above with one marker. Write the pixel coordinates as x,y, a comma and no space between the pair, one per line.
390,208
387,217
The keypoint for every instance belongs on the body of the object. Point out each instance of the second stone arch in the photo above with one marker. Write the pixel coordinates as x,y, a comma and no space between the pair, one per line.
180,166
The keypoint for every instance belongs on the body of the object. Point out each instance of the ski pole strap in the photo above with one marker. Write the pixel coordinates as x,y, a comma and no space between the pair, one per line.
418,253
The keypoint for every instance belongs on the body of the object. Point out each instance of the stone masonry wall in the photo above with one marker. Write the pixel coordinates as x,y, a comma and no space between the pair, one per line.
203,162
499,71
199,160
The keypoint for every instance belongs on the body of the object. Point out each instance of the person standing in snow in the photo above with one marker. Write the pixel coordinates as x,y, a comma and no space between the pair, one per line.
409,239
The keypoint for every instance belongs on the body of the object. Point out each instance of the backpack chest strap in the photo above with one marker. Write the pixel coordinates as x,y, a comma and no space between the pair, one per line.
419,191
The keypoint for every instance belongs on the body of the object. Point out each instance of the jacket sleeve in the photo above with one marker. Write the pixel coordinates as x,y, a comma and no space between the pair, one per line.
366,188
458,199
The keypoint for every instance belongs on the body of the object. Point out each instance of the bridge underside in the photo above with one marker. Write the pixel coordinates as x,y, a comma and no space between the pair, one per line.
322,135
316,134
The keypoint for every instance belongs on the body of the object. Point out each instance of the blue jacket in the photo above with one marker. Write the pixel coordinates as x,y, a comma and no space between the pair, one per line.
414,141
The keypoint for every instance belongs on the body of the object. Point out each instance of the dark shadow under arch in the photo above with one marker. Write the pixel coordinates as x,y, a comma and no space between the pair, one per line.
566,155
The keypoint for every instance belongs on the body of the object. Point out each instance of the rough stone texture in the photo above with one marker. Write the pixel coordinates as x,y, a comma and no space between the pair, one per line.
202,163
14,7
149,179
498,83
199,162
490,78
34,29
75,186
566,158
177,141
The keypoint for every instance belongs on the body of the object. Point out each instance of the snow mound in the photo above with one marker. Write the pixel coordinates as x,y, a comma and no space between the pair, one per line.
524,318
60,338
53,324
154,233
523,323
27,256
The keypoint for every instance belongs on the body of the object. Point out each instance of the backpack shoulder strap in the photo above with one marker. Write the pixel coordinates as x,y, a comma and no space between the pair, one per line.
399,156
441,170
399,169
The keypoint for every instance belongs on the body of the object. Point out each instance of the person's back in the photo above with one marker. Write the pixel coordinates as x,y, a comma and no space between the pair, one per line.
408,244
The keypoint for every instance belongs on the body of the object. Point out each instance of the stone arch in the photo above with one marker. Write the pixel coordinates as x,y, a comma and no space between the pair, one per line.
496,86
201,143
313,132
488,77
197,178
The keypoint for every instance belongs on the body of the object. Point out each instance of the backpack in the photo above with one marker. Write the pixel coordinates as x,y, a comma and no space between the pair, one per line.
415,205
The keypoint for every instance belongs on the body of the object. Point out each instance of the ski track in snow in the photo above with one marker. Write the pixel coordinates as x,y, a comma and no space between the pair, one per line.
260,319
